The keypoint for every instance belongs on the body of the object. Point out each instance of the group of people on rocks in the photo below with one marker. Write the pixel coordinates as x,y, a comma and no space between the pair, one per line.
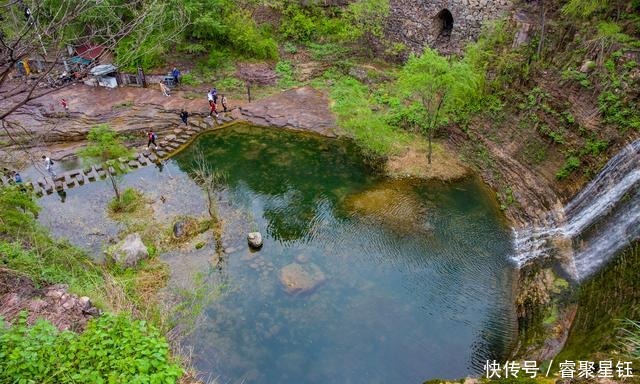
212,97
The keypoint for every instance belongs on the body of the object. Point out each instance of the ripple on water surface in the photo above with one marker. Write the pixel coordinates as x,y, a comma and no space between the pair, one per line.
417,283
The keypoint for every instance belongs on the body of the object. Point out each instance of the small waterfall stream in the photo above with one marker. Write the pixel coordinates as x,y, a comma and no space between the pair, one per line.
600,220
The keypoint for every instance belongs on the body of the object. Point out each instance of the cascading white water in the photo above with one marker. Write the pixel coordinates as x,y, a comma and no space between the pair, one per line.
599,221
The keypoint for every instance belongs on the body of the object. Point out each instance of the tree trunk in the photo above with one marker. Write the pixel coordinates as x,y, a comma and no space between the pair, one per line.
429,153
542,23
114,184
249,91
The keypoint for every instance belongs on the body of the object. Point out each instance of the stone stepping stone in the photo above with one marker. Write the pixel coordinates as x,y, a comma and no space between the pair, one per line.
102,174
162,144
153,158
181,140
98,167
87,170
59,186
70,182
161,153
112,171
41,182
173,146
134,164
192,132
146,153
80,179
74,173
48,189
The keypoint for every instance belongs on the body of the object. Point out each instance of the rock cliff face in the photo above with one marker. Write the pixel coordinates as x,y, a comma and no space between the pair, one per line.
446,25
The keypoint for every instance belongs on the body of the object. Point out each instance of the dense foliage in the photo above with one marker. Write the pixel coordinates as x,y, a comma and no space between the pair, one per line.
112,349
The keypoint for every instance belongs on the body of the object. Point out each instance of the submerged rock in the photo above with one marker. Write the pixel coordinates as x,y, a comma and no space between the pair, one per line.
131,250
393,204
255,240
298,278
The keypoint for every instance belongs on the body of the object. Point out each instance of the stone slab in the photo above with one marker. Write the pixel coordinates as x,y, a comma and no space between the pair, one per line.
134,164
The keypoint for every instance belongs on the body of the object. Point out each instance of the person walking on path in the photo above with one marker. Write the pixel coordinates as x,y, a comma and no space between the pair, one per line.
223,100
209,97
184,115
164,89
214,108
214,94
176,75
152,140
48,165
65,104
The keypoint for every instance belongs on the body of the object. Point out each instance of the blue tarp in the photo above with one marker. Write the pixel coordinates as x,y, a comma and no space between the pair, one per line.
80,60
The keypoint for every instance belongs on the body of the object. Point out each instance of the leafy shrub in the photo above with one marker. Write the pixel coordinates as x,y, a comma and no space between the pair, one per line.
130,200
284,69
190,79
290,48
17,210
104,144
571,164
113,349
618,112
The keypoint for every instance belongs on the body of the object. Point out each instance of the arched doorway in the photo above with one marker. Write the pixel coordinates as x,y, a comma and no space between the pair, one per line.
444,23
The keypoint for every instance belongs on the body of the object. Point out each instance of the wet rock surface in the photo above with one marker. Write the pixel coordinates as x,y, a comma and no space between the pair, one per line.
54,303
300,109
299,279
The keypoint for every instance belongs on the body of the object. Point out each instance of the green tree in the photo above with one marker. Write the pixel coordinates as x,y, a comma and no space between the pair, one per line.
367,18
105,148
17,210
437,90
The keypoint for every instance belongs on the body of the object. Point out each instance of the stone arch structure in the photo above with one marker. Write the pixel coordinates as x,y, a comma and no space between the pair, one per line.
423,23
443,23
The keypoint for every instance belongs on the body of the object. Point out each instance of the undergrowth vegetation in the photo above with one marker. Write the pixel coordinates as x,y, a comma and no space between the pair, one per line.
112,349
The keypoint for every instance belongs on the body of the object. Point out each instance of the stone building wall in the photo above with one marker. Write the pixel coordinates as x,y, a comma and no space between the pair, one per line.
419,23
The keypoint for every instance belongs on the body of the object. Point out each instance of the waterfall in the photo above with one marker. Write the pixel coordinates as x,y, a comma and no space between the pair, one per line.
597,223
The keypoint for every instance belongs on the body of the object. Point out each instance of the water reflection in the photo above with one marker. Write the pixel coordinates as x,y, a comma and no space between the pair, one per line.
417,286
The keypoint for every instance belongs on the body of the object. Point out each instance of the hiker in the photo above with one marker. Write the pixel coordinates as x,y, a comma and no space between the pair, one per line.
176,75
64,103
209,97
152,140
214,108
164,89
224,102
17,178
48,165
214,95
184,115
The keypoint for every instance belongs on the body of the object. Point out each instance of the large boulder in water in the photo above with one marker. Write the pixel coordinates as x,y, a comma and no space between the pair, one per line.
130,250
255,240
298,278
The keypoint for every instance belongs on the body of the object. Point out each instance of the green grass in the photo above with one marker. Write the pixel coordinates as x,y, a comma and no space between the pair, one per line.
130,200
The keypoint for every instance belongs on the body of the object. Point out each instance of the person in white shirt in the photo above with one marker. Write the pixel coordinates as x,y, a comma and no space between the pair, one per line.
48,165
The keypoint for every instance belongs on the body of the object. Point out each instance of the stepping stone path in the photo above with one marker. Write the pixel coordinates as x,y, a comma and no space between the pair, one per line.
171,144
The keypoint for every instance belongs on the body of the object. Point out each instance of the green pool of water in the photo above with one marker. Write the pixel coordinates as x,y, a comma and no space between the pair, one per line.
412,279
